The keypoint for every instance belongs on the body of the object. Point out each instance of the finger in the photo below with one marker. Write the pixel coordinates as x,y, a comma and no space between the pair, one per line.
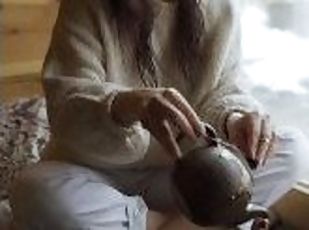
238,137
167,139
163,133
252,123
264,139
159,108
271,148
177,118
182,104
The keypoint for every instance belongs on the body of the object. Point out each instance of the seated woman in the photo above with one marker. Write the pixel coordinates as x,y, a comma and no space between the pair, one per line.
122,80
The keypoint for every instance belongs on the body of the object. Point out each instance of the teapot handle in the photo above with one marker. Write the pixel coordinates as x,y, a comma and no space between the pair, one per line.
254,211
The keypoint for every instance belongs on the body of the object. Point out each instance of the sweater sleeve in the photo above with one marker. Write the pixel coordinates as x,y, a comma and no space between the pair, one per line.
226,94
78,94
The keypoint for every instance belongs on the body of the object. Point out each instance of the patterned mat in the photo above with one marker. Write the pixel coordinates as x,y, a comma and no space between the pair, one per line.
24,132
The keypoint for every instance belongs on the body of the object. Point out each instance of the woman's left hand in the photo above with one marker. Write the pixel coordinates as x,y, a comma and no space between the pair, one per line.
253,134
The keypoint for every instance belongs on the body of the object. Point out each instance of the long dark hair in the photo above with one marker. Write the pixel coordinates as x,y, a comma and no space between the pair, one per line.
187,33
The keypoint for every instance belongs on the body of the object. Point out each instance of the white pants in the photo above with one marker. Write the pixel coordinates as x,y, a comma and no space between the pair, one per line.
63,196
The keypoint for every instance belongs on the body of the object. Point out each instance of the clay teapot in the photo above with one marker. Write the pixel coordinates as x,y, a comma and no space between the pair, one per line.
213,184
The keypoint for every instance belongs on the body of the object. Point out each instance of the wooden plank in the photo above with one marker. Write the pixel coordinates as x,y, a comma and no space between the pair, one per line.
24,18
27,2
20,68
11,91
20,79
293,209
25,29
24,47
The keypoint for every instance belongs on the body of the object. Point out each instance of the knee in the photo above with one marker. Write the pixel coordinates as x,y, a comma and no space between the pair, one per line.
24,189
58,196
35,203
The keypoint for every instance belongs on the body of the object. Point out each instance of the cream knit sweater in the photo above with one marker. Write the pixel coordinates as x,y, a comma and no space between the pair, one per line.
85,67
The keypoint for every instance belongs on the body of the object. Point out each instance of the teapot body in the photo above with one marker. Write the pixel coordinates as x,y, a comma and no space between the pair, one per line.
213,185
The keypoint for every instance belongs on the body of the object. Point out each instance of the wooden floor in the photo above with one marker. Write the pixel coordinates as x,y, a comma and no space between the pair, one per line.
25,31
20,87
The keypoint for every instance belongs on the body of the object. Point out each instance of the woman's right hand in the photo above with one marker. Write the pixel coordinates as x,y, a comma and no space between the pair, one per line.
160,110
